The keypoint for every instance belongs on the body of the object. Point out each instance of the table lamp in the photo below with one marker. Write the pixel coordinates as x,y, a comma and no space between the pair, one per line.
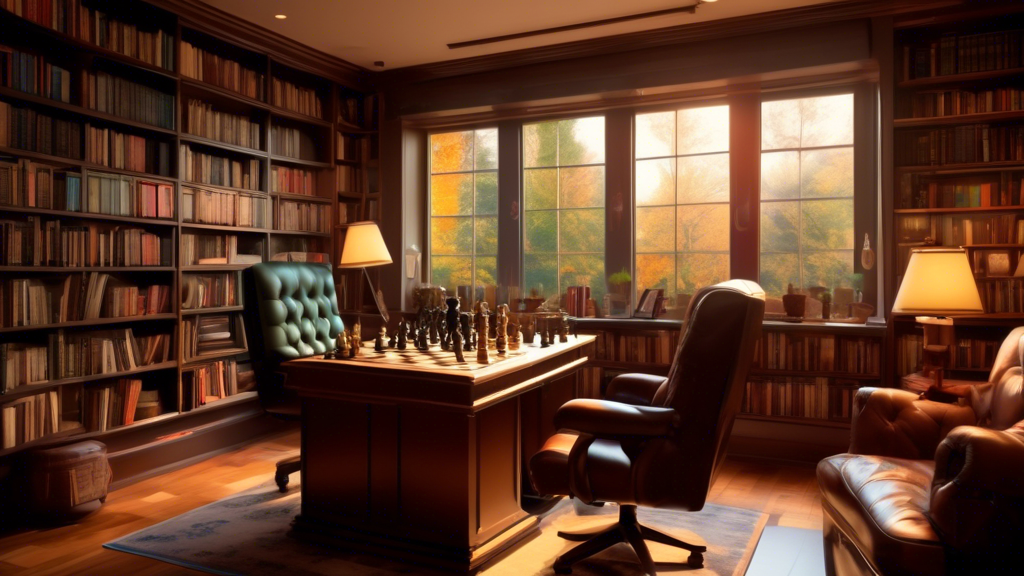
364,247
938,284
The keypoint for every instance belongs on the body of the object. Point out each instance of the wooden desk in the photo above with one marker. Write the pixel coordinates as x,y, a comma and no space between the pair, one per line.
417,457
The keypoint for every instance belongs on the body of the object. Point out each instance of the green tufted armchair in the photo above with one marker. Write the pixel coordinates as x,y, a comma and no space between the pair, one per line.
291,312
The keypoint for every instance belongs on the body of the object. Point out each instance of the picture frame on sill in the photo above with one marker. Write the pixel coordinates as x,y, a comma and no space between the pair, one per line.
645,307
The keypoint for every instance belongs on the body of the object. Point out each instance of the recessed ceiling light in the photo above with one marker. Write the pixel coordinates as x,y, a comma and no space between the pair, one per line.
280,16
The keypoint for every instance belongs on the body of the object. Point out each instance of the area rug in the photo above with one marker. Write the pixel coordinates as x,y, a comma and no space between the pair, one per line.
247,534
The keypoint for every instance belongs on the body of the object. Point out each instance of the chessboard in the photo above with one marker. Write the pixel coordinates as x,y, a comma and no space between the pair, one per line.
435,358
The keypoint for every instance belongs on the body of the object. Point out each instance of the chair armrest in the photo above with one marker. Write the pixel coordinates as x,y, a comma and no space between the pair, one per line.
637,389
605,419
977,497
890,422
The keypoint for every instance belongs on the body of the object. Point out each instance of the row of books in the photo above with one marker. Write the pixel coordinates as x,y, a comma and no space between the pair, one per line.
286,141
213,69
802,397
122,97
286,95
33,74
80,354
941,103
346,179
38,302
35,185
824,353
108,147
30,418
224,207
349,212
205,168
201,291
303,217
576,298
35,242
212,334
215,381
652,349
111,405
960,145
966,353
119,195
236,129
1002,295
963,53
216,249
26,129
292,181
70,17
959,230
918,191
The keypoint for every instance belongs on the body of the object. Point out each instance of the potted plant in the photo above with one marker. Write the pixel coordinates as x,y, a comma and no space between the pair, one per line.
620,282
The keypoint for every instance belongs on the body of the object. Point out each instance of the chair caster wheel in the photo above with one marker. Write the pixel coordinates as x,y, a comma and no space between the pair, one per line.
696,560
282,482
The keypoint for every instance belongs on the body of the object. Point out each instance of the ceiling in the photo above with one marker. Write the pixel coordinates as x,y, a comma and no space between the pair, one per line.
409,32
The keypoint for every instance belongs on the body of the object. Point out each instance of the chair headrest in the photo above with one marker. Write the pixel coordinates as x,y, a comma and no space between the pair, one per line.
298,308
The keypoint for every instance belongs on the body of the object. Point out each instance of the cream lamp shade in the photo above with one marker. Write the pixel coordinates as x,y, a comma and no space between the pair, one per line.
364,247
938,282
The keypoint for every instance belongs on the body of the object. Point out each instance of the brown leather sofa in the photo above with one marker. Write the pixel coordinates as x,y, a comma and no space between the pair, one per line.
657,441
931,488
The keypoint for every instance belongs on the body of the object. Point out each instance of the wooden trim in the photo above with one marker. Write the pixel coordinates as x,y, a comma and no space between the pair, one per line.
510,205
620,234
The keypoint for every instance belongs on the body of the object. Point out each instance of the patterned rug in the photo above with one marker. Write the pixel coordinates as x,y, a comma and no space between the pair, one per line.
247,534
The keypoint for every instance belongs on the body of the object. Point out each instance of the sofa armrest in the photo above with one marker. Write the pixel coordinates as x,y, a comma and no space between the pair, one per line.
977,497
637,389
605,419
890,422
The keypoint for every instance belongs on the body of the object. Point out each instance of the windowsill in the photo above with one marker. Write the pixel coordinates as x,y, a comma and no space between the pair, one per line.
874,326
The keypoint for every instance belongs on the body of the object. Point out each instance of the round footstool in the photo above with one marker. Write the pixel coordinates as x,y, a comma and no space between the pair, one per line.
68,482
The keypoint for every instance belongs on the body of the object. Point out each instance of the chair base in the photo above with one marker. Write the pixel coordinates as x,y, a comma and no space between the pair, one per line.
284,470
627,529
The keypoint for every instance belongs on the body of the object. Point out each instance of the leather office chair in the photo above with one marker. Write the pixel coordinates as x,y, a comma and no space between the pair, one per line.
295,316
657,441
930,488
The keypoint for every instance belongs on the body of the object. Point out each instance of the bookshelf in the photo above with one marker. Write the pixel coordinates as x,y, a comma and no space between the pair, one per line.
958,123
161,153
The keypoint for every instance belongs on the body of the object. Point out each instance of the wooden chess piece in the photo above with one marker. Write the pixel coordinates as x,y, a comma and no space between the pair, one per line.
440,325
431,320
542,327
403,334
467,331
421,337
563,329
452,324
357,339
501,328
482,333
393,340
378,344
514,338
457,340
342,345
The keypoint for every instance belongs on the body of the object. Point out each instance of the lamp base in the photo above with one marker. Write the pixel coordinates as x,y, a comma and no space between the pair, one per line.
938,342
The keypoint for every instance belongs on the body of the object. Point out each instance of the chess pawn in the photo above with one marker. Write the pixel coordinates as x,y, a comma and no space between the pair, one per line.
378,344
392,340
501,328
542,327
342,345
357,339
482,355
403,334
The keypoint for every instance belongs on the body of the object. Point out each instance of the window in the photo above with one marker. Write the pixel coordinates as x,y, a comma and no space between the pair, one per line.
682,200
563,206
807,193
464,208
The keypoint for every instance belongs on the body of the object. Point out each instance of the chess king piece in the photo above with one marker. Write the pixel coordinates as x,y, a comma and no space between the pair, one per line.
342,345
403,334
467,331
378,344
501,328
481,333
452,324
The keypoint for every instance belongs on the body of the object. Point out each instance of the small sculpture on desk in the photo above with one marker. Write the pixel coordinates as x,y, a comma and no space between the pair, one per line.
342,341
357,340
403,334
501,328
378,344
482,318
514,337
467,331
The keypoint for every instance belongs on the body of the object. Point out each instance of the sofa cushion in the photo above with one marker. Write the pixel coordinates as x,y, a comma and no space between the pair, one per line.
298,308
881,503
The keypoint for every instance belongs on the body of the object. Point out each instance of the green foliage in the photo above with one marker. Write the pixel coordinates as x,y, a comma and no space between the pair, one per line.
620,277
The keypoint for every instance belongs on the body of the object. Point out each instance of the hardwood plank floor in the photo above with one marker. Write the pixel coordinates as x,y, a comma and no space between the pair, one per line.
789,493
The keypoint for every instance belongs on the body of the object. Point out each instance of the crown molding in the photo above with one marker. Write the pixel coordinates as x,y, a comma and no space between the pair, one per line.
686,33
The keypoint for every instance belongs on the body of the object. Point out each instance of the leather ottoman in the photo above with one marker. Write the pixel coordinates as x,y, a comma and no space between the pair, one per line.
68,482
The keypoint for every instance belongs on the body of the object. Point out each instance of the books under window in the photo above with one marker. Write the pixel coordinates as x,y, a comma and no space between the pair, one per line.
224,207
53,243
286,95
782,351
35,185
108,147
215,249
203,291
33,74
111,405
27,129
213,69
86,296
225,127
121,97
205,168
292,181
30,418
303,217
212,335
960,145
803,397
214,381
647,349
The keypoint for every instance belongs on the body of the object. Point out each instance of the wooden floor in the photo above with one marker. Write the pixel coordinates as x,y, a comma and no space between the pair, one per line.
789,493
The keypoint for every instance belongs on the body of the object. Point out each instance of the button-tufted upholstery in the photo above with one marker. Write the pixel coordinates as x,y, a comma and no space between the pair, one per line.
298,309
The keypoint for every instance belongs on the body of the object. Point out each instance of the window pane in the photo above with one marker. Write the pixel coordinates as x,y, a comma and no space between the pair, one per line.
825,173
703,179
655,182
541,234
780,175
487,193
780,222
702,228
828,269
656,271
703,130
655,229
487,271
827,121
581,187
540,144
578,269
581,231
780,124
827,224
487,235
451,195
698,270
778,271
451,271
452,152
541,274
655,135
581,141
541,189
486,149
451,236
